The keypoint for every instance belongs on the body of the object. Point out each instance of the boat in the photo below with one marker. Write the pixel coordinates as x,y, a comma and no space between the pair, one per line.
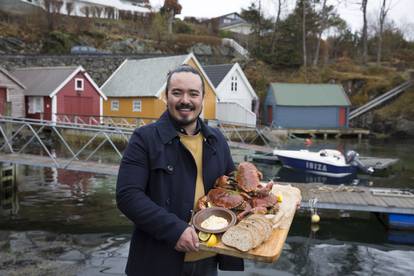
324,162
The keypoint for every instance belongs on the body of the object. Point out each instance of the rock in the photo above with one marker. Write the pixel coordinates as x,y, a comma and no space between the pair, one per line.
20,243
405,126
201,49
73,255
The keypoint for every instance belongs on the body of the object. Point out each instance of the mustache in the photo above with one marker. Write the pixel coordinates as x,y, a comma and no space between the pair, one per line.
184,106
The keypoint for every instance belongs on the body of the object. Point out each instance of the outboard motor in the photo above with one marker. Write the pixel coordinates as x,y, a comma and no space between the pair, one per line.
352,159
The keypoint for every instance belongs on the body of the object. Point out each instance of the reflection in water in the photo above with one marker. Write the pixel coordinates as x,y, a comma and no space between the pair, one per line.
9,203
291,175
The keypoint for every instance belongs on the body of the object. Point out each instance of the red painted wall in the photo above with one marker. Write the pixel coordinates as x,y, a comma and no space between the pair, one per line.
77,103
342,116
3,100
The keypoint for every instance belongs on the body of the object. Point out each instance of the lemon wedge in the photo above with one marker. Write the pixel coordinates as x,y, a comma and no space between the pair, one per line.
212,241
279,198
203,236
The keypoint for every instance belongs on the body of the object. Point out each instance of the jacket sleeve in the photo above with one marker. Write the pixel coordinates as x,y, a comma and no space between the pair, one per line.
132,200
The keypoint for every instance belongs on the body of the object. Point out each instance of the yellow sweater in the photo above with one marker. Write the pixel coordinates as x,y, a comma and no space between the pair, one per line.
195,145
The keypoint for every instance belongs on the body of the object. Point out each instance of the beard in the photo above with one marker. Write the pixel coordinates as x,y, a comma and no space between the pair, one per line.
189,119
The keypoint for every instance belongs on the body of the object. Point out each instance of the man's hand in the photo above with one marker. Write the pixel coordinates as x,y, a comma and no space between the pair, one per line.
188,241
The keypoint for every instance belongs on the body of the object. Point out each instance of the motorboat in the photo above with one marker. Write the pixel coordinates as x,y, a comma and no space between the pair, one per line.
324,162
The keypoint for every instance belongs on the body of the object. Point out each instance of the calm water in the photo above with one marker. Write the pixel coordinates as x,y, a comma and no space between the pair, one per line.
345,244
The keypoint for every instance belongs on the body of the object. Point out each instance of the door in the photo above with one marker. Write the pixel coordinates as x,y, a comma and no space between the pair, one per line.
3,101
269,114
342,117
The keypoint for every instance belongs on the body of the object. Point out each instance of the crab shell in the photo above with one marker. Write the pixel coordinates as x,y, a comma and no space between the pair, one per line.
269,201
225,198
248,177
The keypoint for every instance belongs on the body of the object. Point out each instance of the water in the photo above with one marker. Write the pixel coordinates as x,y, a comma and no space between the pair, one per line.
76,204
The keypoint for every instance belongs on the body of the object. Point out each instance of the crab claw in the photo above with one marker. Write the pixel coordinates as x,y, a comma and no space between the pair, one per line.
202,203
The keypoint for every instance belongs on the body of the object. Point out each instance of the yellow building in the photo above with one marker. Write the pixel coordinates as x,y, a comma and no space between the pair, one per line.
136,90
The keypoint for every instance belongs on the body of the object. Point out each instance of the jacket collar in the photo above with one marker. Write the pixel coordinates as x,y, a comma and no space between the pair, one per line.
168,132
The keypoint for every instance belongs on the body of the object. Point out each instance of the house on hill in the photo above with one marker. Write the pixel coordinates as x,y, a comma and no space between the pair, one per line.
113,9
61,94
307,106
232,22
11,95
238,102
136,89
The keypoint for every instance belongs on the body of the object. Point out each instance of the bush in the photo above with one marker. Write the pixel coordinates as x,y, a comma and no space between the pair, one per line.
57,42
181,27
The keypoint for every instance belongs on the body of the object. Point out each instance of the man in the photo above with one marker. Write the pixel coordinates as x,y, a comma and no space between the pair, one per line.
165,168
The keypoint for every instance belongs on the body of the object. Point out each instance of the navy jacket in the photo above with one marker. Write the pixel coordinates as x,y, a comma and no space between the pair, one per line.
155,190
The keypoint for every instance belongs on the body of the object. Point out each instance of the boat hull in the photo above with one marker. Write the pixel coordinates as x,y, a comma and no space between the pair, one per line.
319,168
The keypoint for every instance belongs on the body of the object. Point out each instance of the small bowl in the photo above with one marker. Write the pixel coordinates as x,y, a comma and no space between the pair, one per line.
204,214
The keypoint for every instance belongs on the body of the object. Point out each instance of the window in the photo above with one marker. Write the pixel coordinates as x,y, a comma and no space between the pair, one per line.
114,105
234,83
35,105
79,84
136,105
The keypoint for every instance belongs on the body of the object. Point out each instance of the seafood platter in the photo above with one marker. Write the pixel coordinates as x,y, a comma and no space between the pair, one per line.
245,217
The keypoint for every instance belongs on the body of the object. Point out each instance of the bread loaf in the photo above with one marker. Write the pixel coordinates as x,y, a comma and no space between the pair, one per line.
238,237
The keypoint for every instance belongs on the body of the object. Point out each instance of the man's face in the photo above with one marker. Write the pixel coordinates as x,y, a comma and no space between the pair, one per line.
185,97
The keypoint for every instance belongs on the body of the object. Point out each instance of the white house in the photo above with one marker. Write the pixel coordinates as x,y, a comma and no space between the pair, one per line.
238,103
233,22
88,8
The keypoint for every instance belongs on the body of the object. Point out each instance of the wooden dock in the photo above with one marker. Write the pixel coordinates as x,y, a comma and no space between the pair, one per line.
356,198
46,161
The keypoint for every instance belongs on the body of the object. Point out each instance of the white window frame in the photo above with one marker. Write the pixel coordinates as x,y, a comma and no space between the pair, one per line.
136,105
234,83
114,105
79,88
36,105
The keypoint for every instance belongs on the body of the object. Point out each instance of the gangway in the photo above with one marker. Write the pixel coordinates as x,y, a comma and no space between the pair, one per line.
380,99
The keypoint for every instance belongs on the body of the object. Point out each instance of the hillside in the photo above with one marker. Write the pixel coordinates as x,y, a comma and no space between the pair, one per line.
33,35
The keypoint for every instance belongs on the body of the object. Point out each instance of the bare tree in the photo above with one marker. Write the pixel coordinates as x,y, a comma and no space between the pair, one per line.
275,35
171,8
383,14
98,11
304,2
364,4
321,29
69,8
86,11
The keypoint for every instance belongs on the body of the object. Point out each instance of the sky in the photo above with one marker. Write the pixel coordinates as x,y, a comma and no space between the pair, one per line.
401,12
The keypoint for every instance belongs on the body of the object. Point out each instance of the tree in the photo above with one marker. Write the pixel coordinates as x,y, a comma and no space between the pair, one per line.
383,14
86,10
275,25
327,18
170,9
69,8
364,37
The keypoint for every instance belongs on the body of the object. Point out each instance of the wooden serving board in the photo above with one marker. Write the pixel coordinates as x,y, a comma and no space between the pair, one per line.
267,252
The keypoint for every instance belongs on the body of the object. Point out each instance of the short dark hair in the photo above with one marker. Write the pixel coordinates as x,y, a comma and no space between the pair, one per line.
180,69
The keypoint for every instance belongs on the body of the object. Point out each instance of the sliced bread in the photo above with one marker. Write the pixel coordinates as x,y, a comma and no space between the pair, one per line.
238,237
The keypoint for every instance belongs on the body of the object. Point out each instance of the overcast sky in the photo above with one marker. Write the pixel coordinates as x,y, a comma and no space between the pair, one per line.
401,12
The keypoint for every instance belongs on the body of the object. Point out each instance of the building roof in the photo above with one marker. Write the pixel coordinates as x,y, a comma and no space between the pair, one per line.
216,73
294,94
143,77
234,18
48,81
12,80
43,81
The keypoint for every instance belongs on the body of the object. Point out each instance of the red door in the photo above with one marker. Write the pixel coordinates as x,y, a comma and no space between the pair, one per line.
3,100
269,114
342,119
78,106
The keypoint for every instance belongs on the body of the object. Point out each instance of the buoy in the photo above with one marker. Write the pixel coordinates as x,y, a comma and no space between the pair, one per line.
315,228
315,218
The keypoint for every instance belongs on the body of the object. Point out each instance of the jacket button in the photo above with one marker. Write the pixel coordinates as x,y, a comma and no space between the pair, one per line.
170,168
167,201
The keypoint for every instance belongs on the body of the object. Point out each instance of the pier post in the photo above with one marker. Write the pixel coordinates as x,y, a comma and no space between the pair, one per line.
8,195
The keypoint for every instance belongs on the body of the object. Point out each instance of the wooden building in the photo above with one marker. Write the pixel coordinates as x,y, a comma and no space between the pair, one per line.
238,103
137,88
60,94
306,106
11,95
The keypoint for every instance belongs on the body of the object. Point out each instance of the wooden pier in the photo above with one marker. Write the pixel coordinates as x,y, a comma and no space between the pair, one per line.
357,198
46,161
